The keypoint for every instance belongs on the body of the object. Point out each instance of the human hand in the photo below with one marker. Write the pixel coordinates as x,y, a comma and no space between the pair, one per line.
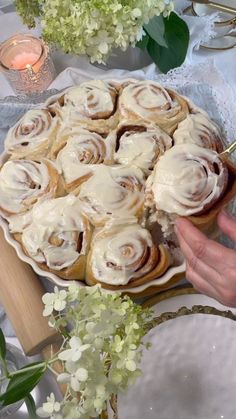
210,266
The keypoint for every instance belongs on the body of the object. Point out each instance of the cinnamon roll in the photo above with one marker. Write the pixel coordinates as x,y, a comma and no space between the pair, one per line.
188,181
32,135
24,182
200,130
92,104
140,144
124,256
79,153
150,101
112,192
58,237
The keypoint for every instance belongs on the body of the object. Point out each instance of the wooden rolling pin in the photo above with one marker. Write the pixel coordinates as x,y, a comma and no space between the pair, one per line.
21,295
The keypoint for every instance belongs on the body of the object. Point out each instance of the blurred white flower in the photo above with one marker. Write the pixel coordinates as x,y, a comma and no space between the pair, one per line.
50,409
54,301
80,30
73,354
75,376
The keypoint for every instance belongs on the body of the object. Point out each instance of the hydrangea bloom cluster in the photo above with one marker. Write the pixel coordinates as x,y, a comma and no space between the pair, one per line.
94,27
101,352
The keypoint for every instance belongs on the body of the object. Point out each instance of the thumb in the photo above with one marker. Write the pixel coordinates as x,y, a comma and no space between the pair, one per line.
227,224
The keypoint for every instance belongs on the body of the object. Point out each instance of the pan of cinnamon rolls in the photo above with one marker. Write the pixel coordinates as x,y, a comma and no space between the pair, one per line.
91,183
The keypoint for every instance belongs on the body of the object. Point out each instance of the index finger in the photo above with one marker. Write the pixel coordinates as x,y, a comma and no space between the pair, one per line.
212,253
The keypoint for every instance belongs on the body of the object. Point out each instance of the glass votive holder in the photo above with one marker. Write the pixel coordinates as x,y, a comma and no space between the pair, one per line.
26,63
15,359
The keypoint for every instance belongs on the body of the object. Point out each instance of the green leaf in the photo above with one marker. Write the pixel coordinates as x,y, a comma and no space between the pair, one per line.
2,345
30,404
177,37
143,43
156,30
22,384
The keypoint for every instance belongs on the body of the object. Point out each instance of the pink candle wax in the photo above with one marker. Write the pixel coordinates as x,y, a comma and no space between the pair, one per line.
23,60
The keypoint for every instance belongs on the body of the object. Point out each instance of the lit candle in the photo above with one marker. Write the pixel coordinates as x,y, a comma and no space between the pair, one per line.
26,63
23,60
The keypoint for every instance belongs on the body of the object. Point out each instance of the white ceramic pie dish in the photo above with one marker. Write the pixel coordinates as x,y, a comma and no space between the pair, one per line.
162,281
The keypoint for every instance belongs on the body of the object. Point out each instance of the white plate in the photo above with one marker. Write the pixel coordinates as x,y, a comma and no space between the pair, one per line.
189,372
5,3
221,44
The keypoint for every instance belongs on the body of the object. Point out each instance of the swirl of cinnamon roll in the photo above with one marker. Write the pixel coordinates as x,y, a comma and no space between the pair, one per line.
188,179
92,104
200,130
58,237
112,192
125,255
24,182
140,144
149,100
79,153
32,135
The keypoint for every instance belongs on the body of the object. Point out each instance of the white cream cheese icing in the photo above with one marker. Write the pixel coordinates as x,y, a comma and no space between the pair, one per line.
53,233
88,100
112,191
197,129
146,99
21,181
82,151
142,149
184,180
114,255
30,131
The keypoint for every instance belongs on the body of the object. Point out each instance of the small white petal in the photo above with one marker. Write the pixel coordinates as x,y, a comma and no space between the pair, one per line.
62,294
59,305
75,384
103,47
76,355
75,342
40,412
136,12
81,374
65,355
84,347
57,406
130,365
48,407
47,310
63,378
48,298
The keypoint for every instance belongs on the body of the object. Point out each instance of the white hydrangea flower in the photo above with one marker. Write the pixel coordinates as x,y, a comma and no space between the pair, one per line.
128,362
54,301
50,409
86,24
102,355
75,376
73,354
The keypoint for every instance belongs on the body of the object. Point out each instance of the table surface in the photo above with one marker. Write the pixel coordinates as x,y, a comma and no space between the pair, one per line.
10,23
